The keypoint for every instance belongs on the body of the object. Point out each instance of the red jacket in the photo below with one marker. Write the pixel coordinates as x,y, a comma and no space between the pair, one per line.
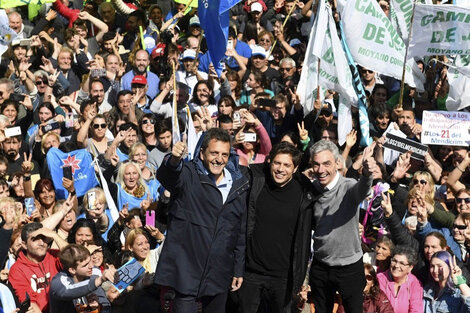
34,278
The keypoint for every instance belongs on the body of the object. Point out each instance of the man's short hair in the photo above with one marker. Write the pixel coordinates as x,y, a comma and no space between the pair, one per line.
286,148
72,254
123,93
140,15
225,119
215,133
409,108
28,229
9,83
162,126
287,61
323,145
108,36
127,126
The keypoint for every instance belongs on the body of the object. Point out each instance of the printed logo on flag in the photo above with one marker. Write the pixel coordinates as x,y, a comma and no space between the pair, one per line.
72,162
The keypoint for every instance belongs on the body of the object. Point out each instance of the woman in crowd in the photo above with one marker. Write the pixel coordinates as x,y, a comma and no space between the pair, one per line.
258,84
235,86
403,289
380,119
252,151
380,259
203,97
137,242
93,134
448,290
147,131
95,207
226,106
85,232
139,155
375,299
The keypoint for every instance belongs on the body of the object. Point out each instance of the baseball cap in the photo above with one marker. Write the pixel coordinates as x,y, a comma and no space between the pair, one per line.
256,7
258,51
326,108
158,51
194,21
189,54
139,79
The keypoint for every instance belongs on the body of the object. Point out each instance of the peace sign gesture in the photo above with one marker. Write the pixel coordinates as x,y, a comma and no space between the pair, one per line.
386,204
303,133
27,165
456,274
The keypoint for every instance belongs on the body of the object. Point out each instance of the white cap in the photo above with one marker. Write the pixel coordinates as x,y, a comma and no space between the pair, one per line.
256,7
194,21
189,54
258,50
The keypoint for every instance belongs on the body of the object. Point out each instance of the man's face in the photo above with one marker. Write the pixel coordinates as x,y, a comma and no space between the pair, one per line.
112,64
4,92
15,22
108,13
65,61
11,147
164,140
192,43
188,64
215,156
279,111
286,70
36,247
41,84
108,46
132,24
324,167
141,61
258,61
288,6
136,87
156,16
368,75
83,269
131,138
431,246
406,117
227,126
256,15
124,103
97,91
81,32
282,169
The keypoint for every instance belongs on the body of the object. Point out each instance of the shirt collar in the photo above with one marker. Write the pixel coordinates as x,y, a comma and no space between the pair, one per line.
333,182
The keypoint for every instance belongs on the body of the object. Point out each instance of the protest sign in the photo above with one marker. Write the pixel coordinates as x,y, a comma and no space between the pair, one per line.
446,128
128,273
404,145
440,30
375,44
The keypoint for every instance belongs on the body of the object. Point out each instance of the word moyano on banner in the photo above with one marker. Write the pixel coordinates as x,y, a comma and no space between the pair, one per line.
440,30
375,43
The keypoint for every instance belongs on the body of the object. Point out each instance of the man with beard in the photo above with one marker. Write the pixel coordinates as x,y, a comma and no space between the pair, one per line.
11,149
141,63
408,125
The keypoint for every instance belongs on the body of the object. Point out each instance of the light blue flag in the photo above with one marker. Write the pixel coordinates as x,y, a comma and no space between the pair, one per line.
83,171
214,16
366,140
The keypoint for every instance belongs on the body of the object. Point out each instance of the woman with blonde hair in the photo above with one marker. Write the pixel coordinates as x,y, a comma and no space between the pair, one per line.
137,241
95,207
139,154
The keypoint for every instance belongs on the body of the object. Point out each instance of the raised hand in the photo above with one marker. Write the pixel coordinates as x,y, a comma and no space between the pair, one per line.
386,204
351,138
178,152
303,133
27,165
368,163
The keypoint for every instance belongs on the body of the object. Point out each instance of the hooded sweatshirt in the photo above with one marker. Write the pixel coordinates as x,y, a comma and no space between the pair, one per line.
34,278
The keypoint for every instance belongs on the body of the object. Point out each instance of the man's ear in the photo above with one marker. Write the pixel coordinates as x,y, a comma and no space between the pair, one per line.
201,154
72,270
23,245
296,168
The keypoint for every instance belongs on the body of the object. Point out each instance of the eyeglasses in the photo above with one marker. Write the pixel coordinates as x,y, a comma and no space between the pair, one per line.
42,82
369,277
399,263
265,40
148,121
282,69
96,126
459,200
420,181
459,227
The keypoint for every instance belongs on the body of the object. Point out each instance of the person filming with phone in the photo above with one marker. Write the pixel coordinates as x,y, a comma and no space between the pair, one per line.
252,141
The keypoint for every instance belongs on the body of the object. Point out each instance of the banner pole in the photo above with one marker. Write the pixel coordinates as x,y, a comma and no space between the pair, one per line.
282,29
402,85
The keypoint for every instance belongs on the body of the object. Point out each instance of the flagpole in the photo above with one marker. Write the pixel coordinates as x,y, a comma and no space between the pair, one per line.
318,80
282,29
402,85
198,49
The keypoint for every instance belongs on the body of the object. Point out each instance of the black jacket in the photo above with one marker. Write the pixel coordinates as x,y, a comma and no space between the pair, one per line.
303,232
205,243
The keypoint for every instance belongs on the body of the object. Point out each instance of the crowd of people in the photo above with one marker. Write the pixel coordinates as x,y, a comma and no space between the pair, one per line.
248,204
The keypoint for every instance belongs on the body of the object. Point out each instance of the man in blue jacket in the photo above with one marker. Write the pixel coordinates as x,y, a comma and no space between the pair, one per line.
204,251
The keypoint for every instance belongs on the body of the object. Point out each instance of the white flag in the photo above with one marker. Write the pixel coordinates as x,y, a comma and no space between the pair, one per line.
334,73
375,44
458,76
344,120
440,30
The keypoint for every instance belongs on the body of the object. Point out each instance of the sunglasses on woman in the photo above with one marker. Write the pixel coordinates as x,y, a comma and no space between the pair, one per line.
421,181
148,121
459,200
